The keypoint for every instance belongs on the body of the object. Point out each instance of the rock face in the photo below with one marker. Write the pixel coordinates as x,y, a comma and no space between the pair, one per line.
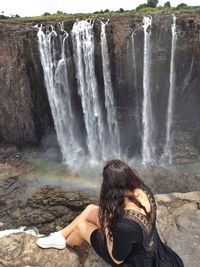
26,203
24,112
177,221
48,204
24,109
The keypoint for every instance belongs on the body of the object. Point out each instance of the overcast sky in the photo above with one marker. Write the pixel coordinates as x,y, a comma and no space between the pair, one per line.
39,7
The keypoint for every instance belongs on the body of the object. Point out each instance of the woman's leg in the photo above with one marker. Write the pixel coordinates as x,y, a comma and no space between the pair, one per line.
81,233
78,231
90,215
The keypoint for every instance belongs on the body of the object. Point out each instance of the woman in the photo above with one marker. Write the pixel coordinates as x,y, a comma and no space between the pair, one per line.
122,228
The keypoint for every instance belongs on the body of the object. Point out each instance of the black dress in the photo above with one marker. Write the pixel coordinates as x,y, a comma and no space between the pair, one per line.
136,241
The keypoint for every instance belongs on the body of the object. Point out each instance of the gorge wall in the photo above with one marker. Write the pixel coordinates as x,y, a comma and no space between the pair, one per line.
25,114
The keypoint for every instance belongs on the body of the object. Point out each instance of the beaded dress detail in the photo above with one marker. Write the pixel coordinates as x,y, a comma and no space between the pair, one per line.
146,222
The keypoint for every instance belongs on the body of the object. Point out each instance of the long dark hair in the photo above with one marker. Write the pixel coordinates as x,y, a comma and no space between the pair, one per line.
118,181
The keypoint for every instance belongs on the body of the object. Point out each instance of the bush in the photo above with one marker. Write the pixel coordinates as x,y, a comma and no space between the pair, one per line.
142,6
46,14
4,17
60,13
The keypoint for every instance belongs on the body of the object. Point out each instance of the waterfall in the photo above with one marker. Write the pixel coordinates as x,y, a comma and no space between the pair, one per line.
57,85
83,45
167,146
147,116
113,139
137,111
100,119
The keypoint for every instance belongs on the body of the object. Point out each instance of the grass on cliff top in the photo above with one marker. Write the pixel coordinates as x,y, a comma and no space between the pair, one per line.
95,15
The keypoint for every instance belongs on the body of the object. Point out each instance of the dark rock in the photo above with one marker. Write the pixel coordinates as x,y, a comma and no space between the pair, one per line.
24,203
177,222
24,112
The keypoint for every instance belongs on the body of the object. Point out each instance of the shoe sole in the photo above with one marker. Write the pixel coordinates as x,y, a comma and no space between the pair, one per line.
47,246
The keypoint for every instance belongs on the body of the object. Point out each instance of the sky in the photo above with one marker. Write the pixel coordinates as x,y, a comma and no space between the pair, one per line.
38,7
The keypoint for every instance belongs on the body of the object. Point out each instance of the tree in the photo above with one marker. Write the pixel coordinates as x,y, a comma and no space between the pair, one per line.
182,6
121,10
167,5
152,3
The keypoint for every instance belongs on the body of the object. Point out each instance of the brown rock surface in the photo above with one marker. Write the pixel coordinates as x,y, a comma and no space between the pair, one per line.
21,250
177,221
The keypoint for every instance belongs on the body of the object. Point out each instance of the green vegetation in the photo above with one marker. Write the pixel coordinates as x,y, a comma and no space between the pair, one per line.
2,16
150,7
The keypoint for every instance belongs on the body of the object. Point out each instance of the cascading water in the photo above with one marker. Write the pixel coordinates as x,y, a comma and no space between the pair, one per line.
83,45
137,109
112,148
102,133
167,148
57,85
147,116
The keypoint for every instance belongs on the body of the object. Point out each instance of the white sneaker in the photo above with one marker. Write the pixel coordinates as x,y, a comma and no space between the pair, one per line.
54,240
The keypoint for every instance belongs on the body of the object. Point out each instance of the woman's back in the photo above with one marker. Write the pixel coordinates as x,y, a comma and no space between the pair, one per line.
128,244
135,239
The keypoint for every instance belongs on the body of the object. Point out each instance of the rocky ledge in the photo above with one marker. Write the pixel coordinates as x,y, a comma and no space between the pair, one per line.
178,224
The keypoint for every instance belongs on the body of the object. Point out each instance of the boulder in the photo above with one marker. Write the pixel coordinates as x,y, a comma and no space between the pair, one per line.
21,250
178,219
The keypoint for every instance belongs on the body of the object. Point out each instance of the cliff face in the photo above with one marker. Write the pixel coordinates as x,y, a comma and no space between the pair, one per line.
128,39
24,107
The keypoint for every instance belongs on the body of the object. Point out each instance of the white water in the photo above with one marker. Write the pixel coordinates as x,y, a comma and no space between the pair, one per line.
83,44
56,80
112,148
137,112
100,119
167,148
22,229
147,118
